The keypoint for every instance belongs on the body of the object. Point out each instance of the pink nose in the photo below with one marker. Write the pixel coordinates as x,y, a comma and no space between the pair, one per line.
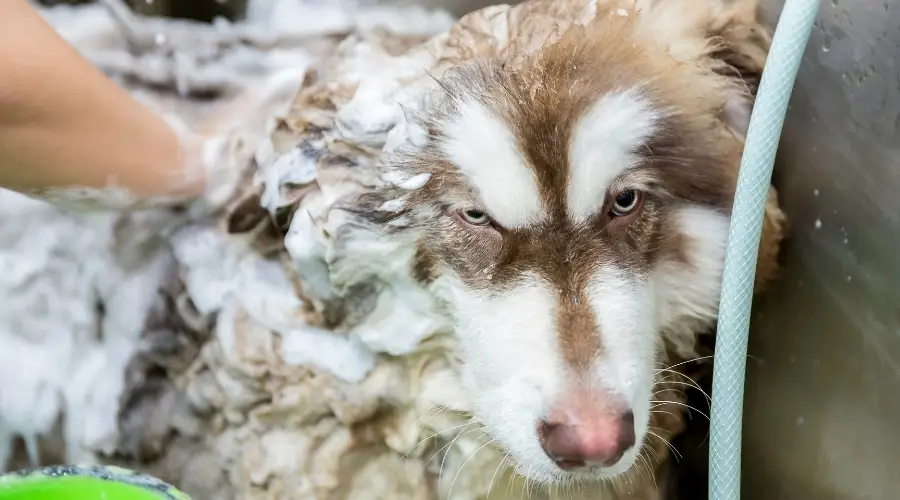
574,443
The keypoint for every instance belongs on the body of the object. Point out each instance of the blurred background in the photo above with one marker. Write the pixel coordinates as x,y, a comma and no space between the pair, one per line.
206,10
202,10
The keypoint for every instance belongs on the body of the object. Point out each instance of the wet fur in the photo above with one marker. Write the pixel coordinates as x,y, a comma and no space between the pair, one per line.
694,67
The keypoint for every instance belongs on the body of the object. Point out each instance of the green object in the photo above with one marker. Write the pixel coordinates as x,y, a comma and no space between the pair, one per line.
85,483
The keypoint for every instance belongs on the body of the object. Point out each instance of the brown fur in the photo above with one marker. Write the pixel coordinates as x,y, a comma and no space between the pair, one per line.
693,159
541,100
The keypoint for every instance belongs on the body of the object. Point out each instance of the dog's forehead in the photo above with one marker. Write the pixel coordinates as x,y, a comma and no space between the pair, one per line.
540,150
554,135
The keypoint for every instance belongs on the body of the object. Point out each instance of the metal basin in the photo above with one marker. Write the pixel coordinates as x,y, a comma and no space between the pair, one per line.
823,395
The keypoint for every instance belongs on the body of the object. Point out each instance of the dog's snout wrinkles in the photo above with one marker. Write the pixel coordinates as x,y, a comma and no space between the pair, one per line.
587,440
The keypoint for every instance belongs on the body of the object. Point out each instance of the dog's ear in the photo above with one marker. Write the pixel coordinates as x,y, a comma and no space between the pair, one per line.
740,43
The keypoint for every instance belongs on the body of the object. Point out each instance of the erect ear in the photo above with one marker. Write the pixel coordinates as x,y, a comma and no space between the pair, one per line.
740,43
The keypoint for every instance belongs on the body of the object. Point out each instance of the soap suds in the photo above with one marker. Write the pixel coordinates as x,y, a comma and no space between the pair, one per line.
72,317
99,302
417,181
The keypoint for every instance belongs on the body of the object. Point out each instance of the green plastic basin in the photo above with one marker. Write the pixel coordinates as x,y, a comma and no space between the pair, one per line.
84,483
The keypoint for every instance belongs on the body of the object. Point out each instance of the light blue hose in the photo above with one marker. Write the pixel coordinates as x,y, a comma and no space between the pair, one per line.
766,121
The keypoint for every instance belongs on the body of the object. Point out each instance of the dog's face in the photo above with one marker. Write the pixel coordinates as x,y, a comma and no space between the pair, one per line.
571,210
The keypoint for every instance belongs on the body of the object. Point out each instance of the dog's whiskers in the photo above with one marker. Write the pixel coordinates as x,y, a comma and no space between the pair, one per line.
436,409
663,412
646,463
499,465
461,467
433,436
450,445
692,360
687,381
693,385
657,404
676,453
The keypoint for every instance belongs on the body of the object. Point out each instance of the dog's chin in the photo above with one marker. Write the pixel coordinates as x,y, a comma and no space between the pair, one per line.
548,474
545,472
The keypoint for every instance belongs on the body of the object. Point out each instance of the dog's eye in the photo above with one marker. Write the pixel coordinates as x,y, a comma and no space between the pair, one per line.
626,202
474,217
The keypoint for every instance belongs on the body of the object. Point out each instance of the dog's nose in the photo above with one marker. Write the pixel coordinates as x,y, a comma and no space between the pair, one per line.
574,443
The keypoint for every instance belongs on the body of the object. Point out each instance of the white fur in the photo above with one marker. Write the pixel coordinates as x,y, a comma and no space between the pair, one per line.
603,146
624,307
513,369
484,149
688,299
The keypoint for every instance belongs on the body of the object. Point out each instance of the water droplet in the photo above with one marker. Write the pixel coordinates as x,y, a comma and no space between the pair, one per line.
818,223
800,420
160,39
815,192
849,278
846,241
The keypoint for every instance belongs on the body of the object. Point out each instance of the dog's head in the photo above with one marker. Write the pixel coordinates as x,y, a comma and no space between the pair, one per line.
572,209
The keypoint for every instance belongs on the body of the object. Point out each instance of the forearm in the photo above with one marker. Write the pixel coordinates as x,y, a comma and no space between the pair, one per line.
64,124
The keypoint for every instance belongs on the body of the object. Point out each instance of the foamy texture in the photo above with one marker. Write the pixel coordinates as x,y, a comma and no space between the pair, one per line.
61,353
78,284
272,404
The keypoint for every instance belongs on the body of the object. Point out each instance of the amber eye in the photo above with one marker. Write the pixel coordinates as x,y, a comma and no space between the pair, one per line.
626,202
474,217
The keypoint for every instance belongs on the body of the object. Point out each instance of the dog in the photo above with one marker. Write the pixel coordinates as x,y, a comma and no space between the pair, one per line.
571,208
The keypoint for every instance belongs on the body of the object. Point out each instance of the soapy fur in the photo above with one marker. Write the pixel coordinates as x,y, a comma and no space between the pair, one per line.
552,295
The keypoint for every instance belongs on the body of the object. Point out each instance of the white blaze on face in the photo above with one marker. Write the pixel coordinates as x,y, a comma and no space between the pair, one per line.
625,308
604,144
513,368
484,149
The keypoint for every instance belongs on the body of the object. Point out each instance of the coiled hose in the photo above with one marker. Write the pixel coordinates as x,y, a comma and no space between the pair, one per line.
766,121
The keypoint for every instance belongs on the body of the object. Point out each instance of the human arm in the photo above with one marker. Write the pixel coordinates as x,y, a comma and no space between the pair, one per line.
65,126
